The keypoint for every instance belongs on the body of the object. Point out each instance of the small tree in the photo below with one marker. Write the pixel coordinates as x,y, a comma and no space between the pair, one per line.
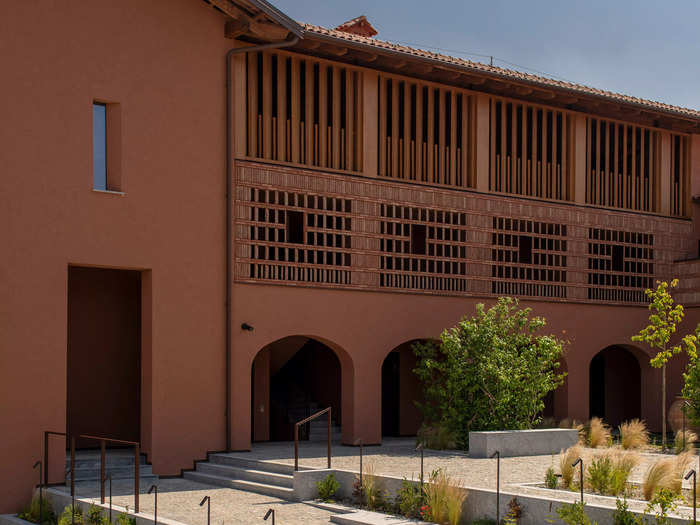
489,372
664,319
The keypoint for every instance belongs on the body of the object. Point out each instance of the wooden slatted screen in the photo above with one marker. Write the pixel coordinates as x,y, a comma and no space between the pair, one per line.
303,111
679,175
622,170
530,148
424,132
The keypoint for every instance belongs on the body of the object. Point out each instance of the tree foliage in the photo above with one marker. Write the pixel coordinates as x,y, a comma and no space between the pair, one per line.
489,372
664,319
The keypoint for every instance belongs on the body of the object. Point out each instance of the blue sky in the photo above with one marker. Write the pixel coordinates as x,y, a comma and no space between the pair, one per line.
644,48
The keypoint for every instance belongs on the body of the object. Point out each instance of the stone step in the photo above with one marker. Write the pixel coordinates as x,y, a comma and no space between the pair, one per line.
365,517
109,462
250,486
258,476
117,472
252,464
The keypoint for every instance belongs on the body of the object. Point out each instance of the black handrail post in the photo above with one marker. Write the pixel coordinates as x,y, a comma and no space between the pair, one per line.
110,497
72,466
103,469
207,499
46,457
296,447
579,461
137,460
421,447
41,496
155,511
329,437
694,475
497,455
270,512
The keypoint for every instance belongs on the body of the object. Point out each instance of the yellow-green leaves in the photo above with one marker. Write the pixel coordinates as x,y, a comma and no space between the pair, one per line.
664,319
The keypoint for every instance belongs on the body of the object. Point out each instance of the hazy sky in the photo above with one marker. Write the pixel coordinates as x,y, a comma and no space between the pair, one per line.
649,49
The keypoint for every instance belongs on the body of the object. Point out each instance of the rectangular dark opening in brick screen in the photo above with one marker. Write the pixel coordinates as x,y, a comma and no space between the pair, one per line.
418,236
295,227
525,249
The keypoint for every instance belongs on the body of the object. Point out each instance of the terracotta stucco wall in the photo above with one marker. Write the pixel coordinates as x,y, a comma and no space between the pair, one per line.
163,62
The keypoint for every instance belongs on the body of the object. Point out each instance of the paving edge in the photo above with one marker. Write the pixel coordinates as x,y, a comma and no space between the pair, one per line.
12,519
331,507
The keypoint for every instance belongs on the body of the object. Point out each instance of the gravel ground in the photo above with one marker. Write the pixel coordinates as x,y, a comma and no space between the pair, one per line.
178,499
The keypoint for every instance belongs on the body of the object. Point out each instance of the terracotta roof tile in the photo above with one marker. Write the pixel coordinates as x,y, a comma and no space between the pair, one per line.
502,72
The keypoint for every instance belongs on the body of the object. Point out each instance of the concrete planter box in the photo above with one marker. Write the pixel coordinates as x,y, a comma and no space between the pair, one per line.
521,442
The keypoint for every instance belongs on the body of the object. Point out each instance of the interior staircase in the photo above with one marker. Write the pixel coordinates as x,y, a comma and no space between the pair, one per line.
118,463
261,477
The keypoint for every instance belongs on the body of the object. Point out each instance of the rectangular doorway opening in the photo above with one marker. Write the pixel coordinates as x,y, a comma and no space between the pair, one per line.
104,354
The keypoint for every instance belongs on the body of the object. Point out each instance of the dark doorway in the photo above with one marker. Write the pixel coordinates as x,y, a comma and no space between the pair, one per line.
104,353
292,379
615,386
390,395
400,392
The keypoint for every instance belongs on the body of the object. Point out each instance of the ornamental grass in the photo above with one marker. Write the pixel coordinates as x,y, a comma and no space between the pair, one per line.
666,474
684,443
598,433
634,434
566,460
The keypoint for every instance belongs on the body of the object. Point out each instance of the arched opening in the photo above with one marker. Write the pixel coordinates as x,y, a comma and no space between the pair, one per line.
556,402
615,385
292,378
400,391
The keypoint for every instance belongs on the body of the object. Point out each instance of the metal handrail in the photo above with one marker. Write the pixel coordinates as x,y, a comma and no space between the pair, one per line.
48,433
103,453
296,435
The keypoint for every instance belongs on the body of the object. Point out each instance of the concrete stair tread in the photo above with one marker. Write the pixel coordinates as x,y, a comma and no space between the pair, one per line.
365,517
250,486
247,474
254,464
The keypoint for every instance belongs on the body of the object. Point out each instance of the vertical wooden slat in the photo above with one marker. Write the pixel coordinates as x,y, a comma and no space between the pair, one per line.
267,105
653,172
635,182
239,105
309,114
420,173
626,183
546,191
535,156
296,106
431,138
453,137
350,87
394,128
522,173
556,182
406,130
600,182
382,126
614,192
441,137
504,143
514,147
323,115
253,104
364,99
466,121
335,131
644,196
281,108
492,170
565,141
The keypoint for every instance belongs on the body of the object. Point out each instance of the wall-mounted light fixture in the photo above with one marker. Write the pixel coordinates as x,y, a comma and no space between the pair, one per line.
247,327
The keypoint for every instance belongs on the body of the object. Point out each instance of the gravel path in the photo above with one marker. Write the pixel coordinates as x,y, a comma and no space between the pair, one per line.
178,499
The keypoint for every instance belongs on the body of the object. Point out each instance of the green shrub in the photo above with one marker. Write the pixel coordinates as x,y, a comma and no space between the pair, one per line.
550,479
95,517
600,474
67,516
38,512
574,514
663,502
327,487
125,519
409,499
437,437
622,514
491,371
484,521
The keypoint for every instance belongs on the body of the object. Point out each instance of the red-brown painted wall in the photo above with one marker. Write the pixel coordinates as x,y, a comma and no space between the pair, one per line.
163,62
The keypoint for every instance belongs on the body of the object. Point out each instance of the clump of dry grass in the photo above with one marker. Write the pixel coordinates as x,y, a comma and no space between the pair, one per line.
685,443
634,434
566,459
625,461
598,433
444,496
666,473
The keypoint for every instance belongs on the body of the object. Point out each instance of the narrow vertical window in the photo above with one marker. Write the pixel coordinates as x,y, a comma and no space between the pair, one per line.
99,146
